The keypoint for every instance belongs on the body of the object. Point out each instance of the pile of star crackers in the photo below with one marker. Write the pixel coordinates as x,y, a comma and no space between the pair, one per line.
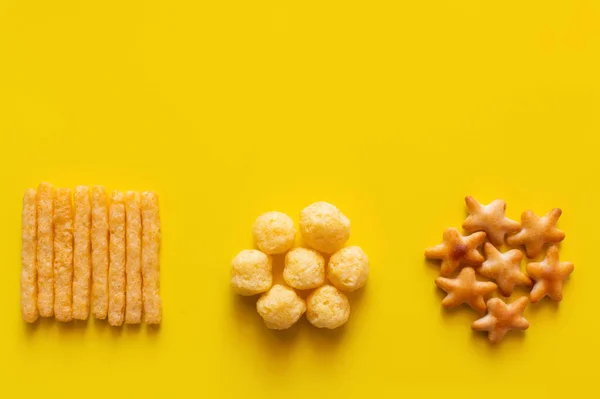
83,251
488,226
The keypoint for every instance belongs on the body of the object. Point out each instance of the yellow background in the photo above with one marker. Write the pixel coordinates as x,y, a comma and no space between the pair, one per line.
392,110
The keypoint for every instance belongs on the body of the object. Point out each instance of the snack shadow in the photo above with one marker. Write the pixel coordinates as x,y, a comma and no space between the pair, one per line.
279,345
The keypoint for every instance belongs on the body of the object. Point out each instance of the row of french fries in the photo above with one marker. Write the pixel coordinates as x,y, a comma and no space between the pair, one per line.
83,251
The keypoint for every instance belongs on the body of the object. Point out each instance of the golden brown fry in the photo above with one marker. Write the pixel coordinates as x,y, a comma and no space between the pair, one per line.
29,289
81,259
63,255
99,240
133,307
116,270
150,258
45,249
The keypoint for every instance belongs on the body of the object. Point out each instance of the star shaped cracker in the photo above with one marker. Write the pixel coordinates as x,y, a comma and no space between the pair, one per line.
465,289
505,268
457,249
489,218
549,276
502,317
537,231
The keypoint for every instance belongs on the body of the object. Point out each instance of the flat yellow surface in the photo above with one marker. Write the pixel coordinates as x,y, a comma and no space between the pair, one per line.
392,110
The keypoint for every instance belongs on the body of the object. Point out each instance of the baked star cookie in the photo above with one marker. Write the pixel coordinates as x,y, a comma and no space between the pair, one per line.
502,317
489,218
549,276
537,231
505,268
465,289
457,249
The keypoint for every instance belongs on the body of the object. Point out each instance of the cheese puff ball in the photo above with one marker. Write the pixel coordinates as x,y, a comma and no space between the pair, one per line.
327,307
348,268
304,269
280,308
324,227
274,232
251,272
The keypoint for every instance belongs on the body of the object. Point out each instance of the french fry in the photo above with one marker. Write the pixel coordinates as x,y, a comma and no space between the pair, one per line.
116,269
63,255
133,307
99,240
29,289
150,258
81,258
45,249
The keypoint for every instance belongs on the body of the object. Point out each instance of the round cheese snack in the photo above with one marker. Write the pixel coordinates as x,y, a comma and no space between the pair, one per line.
324,227
274,232
327,307
280,308
251,272
304,269
348,268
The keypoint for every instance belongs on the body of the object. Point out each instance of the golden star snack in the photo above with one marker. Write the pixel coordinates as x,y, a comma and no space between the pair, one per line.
489,218
324,227
348,269
63,255
502,317
465,289
457,250
133,267
304,269
549,276
116,268
45,249
82,267
152,302
99,239
280,307
29,289
537,232
327,307
251,272
274,233
505,268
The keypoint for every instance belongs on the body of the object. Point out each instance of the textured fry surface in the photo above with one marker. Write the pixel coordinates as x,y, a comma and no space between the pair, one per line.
99,241
63,255
29,289
82,267
133,217
150,258
45,250
116,268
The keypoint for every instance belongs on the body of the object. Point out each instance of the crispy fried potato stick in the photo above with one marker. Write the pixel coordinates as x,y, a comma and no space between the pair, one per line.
99,240
150,258
81,258
116,269
63,255
45,249
29,289
133,267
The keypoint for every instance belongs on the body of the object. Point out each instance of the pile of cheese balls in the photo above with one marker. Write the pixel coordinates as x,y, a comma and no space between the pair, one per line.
324,229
